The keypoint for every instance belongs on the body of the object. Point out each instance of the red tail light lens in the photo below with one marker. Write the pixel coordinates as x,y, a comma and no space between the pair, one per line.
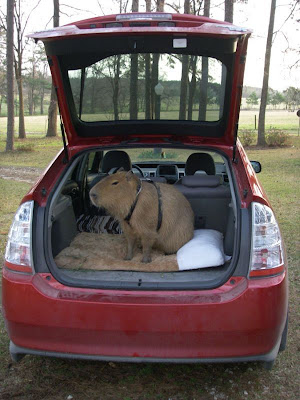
266,249
19,246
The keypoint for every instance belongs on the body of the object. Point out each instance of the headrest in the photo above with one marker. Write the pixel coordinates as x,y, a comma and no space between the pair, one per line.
200,162
201,181
116,158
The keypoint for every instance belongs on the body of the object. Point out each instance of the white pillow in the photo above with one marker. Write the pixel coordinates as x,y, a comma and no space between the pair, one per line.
204,250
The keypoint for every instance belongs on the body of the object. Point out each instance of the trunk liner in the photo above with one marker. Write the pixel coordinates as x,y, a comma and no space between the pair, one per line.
99,252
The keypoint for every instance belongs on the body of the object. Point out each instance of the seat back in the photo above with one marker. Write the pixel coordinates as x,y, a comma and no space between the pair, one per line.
209,199
200,162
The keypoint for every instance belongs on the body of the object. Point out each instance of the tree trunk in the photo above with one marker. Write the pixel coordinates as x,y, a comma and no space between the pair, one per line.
148,75
228,16
19,79
203,90
184,87
133,103
135,6
187,7
10,75
192,87
204,75
160,4
42,96
116,88
148,5
52,111
184,75
155,101
261,140
229,10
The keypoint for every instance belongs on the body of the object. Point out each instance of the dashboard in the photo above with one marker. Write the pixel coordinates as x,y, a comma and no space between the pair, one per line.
172,171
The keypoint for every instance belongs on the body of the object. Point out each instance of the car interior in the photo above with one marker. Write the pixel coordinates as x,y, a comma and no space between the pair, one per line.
202,177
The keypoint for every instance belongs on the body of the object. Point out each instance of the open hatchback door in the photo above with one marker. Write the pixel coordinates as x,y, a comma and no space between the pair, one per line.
169,77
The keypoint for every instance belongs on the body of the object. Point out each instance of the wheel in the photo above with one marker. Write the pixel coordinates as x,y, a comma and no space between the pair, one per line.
284,335
268,365
139,169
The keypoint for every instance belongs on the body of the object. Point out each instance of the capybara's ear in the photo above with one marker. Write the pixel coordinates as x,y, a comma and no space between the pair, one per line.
120,169
129,175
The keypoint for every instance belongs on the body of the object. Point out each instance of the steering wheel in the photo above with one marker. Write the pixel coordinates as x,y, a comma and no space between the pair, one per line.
138,168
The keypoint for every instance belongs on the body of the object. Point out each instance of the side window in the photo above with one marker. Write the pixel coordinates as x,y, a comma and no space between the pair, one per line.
94,160
91,160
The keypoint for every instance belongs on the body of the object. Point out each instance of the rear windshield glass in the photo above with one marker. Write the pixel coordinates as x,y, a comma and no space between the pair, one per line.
149,86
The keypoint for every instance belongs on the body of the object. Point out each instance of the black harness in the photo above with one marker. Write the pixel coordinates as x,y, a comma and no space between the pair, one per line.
138,191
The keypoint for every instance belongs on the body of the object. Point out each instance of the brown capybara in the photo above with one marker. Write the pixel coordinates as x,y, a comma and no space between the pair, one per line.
135,204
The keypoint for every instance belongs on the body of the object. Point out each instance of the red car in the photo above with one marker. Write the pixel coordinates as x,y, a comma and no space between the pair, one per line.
158,94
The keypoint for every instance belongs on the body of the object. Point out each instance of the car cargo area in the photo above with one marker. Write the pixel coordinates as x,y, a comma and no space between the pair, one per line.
88,244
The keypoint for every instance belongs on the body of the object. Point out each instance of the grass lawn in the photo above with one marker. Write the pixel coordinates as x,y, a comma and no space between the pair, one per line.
280,119
38,378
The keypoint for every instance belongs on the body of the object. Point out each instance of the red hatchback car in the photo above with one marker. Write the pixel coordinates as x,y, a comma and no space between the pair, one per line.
157,94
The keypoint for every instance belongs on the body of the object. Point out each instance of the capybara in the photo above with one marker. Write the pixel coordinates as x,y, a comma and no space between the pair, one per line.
157,215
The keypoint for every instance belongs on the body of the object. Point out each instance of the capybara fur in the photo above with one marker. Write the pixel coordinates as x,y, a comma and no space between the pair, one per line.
118,192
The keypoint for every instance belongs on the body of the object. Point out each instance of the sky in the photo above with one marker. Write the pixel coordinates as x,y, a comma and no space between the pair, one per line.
253,14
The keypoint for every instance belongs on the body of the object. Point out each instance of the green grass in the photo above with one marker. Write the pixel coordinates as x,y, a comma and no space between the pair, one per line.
41,378
35,151
277,119
280,119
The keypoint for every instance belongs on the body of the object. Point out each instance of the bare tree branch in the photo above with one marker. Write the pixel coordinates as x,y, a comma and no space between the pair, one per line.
288,17
77,9
27,19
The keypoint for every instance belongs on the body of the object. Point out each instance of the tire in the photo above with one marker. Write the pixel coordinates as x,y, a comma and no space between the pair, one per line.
268,365
283,342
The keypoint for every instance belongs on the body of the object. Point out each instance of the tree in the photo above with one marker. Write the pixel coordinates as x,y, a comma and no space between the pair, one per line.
133,105
204,77
18,63
275,98
148,75
228,17
261,141
184,74
52,111
2,67
155,100
10,75
36,80
229,10
292,98
252,99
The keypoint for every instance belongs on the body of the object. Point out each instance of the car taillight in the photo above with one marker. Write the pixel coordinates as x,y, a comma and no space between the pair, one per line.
18,248
266,248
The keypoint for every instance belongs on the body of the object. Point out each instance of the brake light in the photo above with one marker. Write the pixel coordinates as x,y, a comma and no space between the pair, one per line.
18,249
143,16
266,248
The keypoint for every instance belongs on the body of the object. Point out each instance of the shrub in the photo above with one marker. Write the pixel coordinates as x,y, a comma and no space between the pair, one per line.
276,138
26,147
149,154
247,137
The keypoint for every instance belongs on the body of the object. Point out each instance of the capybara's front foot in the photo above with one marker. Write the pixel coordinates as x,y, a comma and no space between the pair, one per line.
128,257
146,259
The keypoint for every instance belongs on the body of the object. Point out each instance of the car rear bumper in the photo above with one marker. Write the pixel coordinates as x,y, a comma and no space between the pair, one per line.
241,321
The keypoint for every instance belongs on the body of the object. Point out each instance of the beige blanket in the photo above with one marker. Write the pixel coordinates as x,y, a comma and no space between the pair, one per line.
104,251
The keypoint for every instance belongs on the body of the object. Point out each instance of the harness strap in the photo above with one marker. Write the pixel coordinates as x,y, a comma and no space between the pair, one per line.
139,188
129,215
159,218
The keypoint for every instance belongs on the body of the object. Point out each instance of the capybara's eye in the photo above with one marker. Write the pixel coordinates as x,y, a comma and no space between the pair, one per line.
115,183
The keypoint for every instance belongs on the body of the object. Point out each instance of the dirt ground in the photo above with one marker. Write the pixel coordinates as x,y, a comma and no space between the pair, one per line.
20,174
